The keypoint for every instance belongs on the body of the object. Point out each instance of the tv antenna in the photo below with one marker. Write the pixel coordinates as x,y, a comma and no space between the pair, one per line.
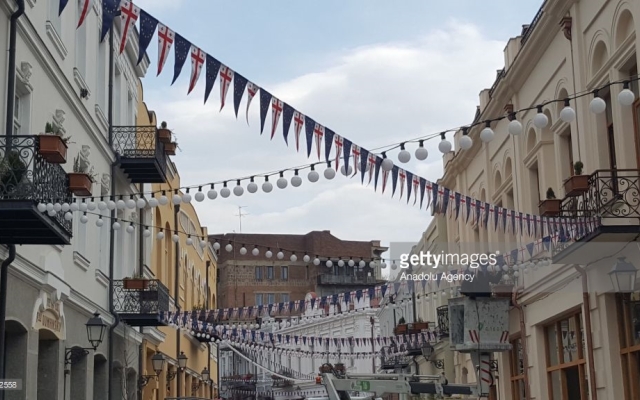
240,214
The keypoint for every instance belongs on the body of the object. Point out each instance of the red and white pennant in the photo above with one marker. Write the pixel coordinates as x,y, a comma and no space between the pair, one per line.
339,142
276,112
166,37
129,14
318,132
197,62
85,6
298,123
252,90
226,76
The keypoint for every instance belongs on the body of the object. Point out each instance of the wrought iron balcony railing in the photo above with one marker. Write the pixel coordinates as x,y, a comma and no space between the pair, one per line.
443,321
140,301
329,279
610,194
26,180
141,154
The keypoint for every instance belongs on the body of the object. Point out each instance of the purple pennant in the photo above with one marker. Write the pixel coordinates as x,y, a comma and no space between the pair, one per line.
182,47
309,124
394,179
287,116
328,143
346,153
239,85
377,173
213,67
110,8
364,161
148,26
265,102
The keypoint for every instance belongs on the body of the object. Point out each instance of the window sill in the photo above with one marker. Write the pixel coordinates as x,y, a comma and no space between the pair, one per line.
80,261
102,118
102,279
57,41
82,84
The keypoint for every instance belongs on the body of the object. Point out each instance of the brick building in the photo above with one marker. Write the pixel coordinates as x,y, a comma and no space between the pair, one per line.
248,280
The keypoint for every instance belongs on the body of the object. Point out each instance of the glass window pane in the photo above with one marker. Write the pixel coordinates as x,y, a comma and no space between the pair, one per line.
569,340
259,299
635,322
552,350
16,108
555,382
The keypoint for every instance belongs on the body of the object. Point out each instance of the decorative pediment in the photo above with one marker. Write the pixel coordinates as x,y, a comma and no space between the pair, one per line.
105,185
25,71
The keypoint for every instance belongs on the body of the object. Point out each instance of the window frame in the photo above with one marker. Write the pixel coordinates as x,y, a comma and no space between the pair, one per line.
258,274
284,273
270,273
259,296
627,347
514,360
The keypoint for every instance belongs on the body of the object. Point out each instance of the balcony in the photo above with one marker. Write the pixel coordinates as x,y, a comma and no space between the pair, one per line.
140,304
610,195
351,280
140,153
394,358
26,180
409,329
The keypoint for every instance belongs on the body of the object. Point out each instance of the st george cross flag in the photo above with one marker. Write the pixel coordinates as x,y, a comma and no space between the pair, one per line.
276,111
355,151
403,179
110,8
148,26
252,90
298,123
85,6
416,183
166,37
129,14
339,142
180,54
318,133
226,76
197,63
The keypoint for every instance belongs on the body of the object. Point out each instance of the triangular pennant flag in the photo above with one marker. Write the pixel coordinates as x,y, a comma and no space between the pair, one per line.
364,161
110,9
277,106
182,47
148,26
347,149
402,174
265,101
63,4
377,172
197,63
318,133
339,142
298,123
166,38
423,185
129,14
226,76
328,143
394,179
409,185
287,116
252,90
309,125
239,84
213,66
85,6
372,160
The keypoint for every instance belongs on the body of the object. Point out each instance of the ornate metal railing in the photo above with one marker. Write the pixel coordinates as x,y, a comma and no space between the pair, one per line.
152,299
610,194
443,321
328,279
138,142
529,29
26,175
500,74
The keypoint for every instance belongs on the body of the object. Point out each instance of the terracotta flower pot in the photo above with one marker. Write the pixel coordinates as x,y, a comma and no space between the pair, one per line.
135,284
401,329
170,148
52,148
80,184
576,185
550,207
164,135
502,290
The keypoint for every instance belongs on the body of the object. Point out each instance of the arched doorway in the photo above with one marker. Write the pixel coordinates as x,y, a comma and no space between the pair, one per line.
100,377
48,365
16,341
77,371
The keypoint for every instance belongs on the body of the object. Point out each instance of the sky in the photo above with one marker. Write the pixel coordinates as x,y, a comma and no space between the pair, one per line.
372,71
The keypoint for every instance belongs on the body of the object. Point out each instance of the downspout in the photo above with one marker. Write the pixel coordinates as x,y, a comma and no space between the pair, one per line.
523,339
589,336
176,294
3,308
11,68
143,345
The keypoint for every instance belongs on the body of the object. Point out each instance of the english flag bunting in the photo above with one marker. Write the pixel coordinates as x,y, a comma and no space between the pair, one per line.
166,37
298,123
318,133
226,76
276,111
252,89
355,151
339,142
197,62
129,14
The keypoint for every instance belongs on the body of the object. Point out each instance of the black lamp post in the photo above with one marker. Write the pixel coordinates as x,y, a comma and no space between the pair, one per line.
157,362
427,352
205,379
96,328
182,361
623,276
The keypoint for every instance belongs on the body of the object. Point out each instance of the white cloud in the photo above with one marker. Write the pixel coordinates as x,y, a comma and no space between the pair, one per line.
375,95
153,6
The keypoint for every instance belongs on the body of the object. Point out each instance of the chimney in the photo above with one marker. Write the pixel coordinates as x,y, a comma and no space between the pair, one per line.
484,99
511,51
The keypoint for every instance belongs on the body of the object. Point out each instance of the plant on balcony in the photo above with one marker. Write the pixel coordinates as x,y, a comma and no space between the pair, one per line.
326,368
578,183
12,171
551,206
137,282
401,328
171,146
53,145
164,134
82,178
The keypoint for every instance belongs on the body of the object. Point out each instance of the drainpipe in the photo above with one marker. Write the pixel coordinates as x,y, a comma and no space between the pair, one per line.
143,345
176,294
589,336
523,339
11,67
4,276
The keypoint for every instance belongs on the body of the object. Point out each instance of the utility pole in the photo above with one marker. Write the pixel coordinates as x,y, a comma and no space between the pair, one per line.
240,215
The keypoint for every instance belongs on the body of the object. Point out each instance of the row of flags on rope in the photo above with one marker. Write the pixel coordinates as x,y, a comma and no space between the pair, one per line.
205,320
442,200
272,392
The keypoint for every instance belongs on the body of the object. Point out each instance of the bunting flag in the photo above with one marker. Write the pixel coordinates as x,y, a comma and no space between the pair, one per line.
265,102
148,26
166,37
318,133
309,125
181,51
85,6
339,143
213,66
110,9
403,180
276,111
62,6
226,75
252,90
239,85
287,115
197,62
355,152
129,14
298,123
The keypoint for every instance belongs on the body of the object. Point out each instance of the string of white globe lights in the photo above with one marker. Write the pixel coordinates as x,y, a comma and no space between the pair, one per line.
626,98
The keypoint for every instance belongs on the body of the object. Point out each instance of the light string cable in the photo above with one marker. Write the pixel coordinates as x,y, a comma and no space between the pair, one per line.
626,98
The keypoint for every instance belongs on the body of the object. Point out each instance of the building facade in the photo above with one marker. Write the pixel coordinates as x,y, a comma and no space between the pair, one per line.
60,80
572,334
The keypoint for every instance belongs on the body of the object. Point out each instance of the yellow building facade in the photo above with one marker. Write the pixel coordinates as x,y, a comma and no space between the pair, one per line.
193,274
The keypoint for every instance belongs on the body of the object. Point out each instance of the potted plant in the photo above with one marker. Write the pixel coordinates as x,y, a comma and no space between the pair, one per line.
326,368
401,328
80,180
578,183
170,148
551,206
164,134
12,170
52,145
137,282
420,325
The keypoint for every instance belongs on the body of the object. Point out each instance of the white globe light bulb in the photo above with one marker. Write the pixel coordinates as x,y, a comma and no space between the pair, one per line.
99,222
362,264
372,264
280,255
568,114
68,216
293,258
203,243
216,246
42,207
351,263
131,204
465,142
75,207
626,97
49,207
228,248
225,192
176,199
130,229
153,202
486,135
268,254
199,197
346,172
387,164
146,233
306,258
212,194
82,207
160,235
540,121
296,181
316,261
282,183
57,207
140,203
186,198
444,146
422,153
404,156
340,263
515,127
91,206
329,173
313,176
175,238
597,105
238,190
255,251
116,226
189,241
252,187
267,187
111,205
65,207
243,250
329,263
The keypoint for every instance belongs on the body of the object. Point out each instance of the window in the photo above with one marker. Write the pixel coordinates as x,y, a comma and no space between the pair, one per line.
270,272
131,119
117,97
259,299
81,238
628,306
271,298
258,273
516,364
567,378
284,273
101,76
81,45
54,16
21,109
284,298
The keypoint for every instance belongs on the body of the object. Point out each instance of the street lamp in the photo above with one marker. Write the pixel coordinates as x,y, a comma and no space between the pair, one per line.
205,374
205,379
182,361
96,328
623,276
157,362
427,351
